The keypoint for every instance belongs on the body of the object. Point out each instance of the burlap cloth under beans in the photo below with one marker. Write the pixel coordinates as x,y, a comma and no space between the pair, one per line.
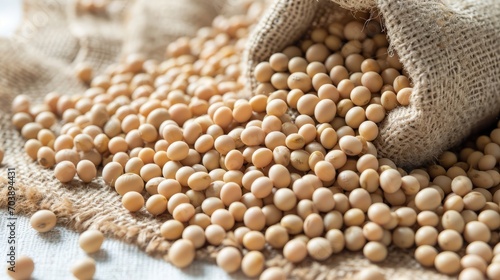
449,50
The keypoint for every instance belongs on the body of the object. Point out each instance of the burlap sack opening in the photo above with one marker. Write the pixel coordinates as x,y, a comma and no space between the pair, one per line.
27,70
449,49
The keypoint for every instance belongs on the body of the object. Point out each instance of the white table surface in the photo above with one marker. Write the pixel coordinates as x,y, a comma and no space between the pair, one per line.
54,252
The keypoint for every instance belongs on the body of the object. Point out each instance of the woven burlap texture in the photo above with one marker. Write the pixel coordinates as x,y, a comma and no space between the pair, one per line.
449,49
150,34
33,67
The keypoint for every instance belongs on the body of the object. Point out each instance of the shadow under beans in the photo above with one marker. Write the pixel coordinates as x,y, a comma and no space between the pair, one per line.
100,256
52,236
75,182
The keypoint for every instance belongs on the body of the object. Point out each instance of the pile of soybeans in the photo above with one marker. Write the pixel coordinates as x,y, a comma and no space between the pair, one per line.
289,166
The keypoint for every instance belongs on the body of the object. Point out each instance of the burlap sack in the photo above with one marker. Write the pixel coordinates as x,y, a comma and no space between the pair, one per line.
449,49
35,71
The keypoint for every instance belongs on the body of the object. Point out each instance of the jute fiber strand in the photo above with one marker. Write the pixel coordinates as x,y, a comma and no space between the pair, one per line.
449,49
31,67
